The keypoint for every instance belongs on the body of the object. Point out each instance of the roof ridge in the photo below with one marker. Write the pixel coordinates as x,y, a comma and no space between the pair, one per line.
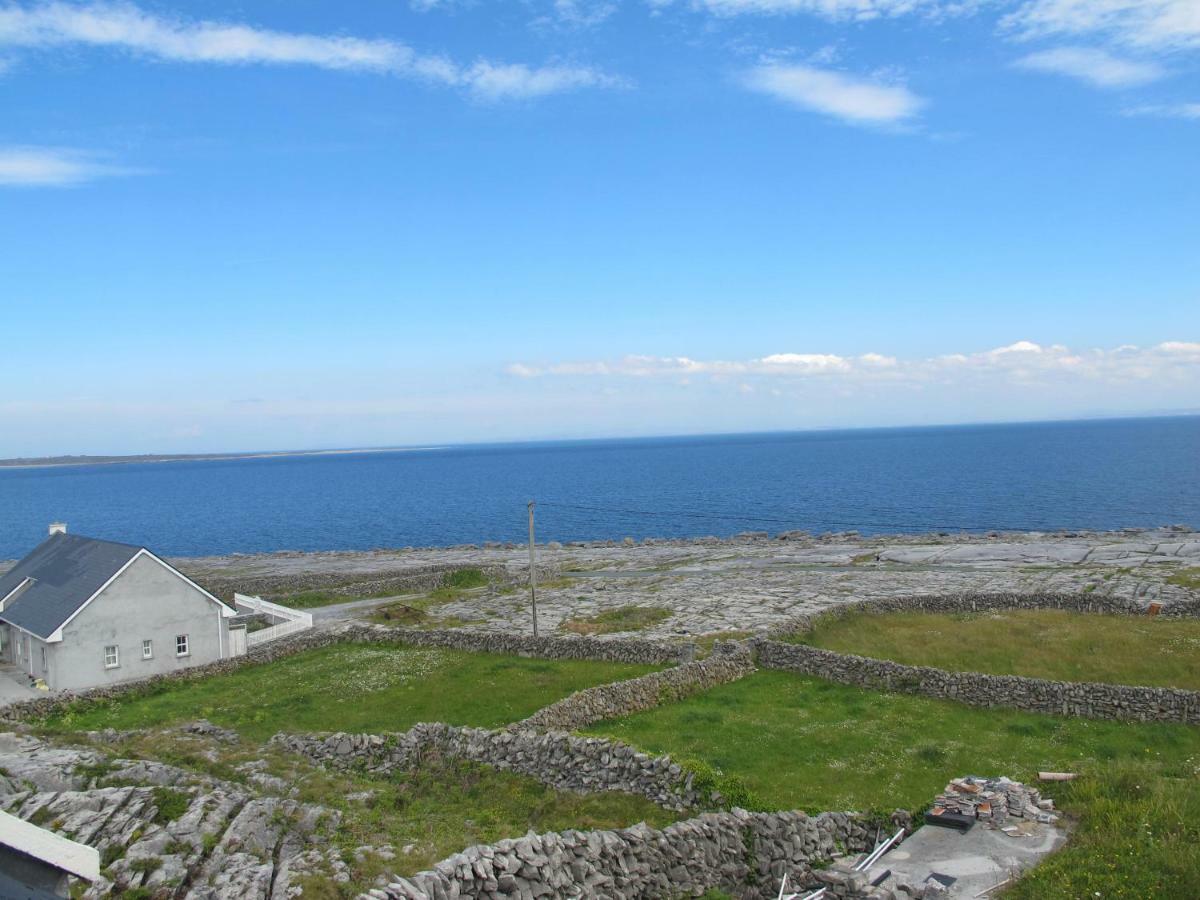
96,540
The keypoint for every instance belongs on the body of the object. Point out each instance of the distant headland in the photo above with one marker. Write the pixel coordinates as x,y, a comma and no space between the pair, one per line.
39,462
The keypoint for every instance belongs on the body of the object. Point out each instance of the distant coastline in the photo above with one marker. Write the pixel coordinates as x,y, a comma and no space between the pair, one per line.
47,462
41,462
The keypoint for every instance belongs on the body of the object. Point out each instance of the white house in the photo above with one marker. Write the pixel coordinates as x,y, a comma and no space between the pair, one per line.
78,612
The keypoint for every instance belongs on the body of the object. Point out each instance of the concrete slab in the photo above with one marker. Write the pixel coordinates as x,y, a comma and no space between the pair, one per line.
979,859
14,686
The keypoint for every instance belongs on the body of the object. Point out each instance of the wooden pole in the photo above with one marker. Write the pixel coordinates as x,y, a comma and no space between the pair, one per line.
532,572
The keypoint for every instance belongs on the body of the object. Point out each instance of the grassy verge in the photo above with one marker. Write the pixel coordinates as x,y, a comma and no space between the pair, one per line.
356,687
453,586
800,742
1138,835
417,612
623,618
1051,644
1188,578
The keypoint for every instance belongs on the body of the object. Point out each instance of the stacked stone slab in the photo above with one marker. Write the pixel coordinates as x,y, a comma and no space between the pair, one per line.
995,802
563,761
745,854
730,661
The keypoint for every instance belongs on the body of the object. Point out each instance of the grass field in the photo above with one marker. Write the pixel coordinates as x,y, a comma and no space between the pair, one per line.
357,687
1035,643
800,742
1188,578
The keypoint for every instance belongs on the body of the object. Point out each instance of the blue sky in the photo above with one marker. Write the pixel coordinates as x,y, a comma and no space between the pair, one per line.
298,224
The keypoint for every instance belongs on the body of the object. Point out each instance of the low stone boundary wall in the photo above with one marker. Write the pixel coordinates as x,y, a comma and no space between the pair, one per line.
625,651
729,661
1091,700
983,602
1065,698
609,650
745,854
563,761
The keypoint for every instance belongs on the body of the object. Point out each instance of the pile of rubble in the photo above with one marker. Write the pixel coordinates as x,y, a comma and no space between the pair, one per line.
995,802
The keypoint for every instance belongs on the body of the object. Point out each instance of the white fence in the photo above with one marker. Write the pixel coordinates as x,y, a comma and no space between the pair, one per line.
288,620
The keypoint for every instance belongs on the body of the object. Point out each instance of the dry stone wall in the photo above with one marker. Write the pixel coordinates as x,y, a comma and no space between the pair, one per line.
626,651
1087,699
983,602
1066,698
730,661
745,854
562,761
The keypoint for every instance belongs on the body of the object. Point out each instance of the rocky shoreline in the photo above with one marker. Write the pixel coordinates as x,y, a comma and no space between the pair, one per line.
747,583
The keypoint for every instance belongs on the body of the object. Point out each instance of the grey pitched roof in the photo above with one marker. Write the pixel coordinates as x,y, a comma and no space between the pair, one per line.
67,569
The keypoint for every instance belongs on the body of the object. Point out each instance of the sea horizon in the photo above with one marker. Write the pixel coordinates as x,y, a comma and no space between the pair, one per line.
97,459
1097,475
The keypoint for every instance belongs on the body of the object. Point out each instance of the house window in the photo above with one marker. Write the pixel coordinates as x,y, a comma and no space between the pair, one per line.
112,656
45,668
147,649
181,645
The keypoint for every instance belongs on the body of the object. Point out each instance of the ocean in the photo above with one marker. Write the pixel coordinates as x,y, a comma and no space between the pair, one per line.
1104,474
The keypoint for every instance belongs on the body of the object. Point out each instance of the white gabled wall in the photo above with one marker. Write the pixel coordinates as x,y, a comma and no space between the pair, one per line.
147,600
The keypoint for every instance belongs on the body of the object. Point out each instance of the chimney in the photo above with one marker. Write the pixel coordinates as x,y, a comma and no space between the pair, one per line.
58,528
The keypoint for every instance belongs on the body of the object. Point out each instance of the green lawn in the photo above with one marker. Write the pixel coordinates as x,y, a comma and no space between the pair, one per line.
357,687
1036,643
800,742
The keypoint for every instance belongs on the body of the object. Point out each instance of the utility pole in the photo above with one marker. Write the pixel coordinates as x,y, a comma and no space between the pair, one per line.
532,572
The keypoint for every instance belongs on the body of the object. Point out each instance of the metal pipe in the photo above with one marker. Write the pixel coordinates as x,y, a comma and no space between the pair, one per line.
860,866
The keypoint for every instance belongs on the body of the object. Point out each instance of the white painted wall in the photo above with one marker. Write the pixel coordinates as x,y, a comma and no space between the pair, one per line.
146,601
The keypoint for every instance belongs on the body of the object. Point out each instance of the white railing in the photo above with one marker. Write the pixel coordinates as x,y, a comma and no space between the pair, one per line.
293,620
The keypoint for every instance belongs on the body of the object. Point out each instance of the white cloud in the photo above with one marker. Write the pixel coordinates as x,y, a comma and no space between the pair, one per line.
1018,347
582,13
877,360
1021,362
51,167
493,81
1095,66
858,10
804,363
857,100
123,26
1184,348
1163,24
1167,110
